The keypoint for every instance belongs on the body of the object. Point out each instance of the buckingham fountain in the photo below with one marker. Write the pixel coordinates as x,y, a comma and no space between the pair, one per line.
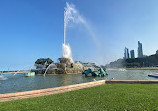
66,63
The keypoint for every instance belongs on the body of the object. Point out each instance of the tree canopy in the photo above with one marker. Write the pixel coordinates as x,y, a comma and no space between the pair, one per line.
148,61
44,61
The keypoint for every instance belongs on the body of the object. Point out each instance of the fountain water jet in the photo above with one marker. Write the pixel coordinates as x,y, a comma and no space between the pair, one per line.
2,77
69,13
66,50
52,65
22,69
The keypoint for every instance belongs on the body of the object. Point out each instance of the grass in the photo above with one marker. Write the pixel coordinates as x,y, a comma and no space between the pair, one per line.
110,97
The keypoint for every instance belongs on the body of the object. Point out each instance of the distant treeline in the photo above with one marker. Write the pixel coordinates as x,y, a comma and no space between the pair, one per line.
8,71
148,61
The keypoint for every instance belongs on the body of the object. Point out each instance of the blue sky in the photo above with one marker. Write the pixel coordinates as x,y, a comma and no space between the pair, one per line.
32,29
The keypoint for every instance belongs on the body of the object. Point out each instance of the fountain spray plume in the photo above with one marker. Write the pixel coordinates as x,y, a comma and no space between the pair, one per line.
69,15
67,52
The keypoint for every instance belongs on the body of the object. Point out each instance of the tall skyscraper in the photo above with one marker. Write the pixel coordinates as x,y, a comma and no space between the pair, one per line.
132,54
126,53
140,49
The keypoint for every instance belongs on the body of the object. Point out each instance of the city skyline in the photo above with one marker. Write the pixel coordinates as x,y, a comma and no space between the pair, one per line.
139,52
132,52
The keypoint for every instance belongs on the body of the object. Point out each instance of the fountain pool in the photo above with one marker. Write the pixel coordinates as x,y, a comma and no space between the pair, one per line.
19,82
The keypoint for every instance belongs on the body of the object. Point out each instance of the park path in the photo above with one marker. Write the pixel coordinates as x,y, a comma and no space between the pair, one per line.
48,91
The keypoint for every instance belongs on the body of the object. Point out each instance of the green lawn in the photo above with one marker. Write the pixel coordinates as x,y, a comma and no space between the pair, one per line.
123,97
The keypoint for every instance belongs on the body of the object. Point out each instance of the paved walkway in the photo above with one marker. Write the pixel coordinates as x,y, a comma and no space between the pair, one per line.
49,91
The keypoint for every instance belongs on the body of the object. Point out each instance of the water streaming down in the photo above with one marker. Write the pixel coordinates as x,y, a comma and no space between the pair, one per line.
2,77
24,68
79,65
52,66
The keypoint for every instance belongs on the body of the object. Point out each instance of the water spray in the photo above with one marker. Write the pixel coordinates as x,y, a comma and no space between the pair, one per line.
72,15
22,69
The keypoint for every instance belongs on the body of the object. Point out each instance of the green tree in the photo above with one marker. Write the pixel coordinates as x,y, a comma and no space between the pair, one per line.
44,61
